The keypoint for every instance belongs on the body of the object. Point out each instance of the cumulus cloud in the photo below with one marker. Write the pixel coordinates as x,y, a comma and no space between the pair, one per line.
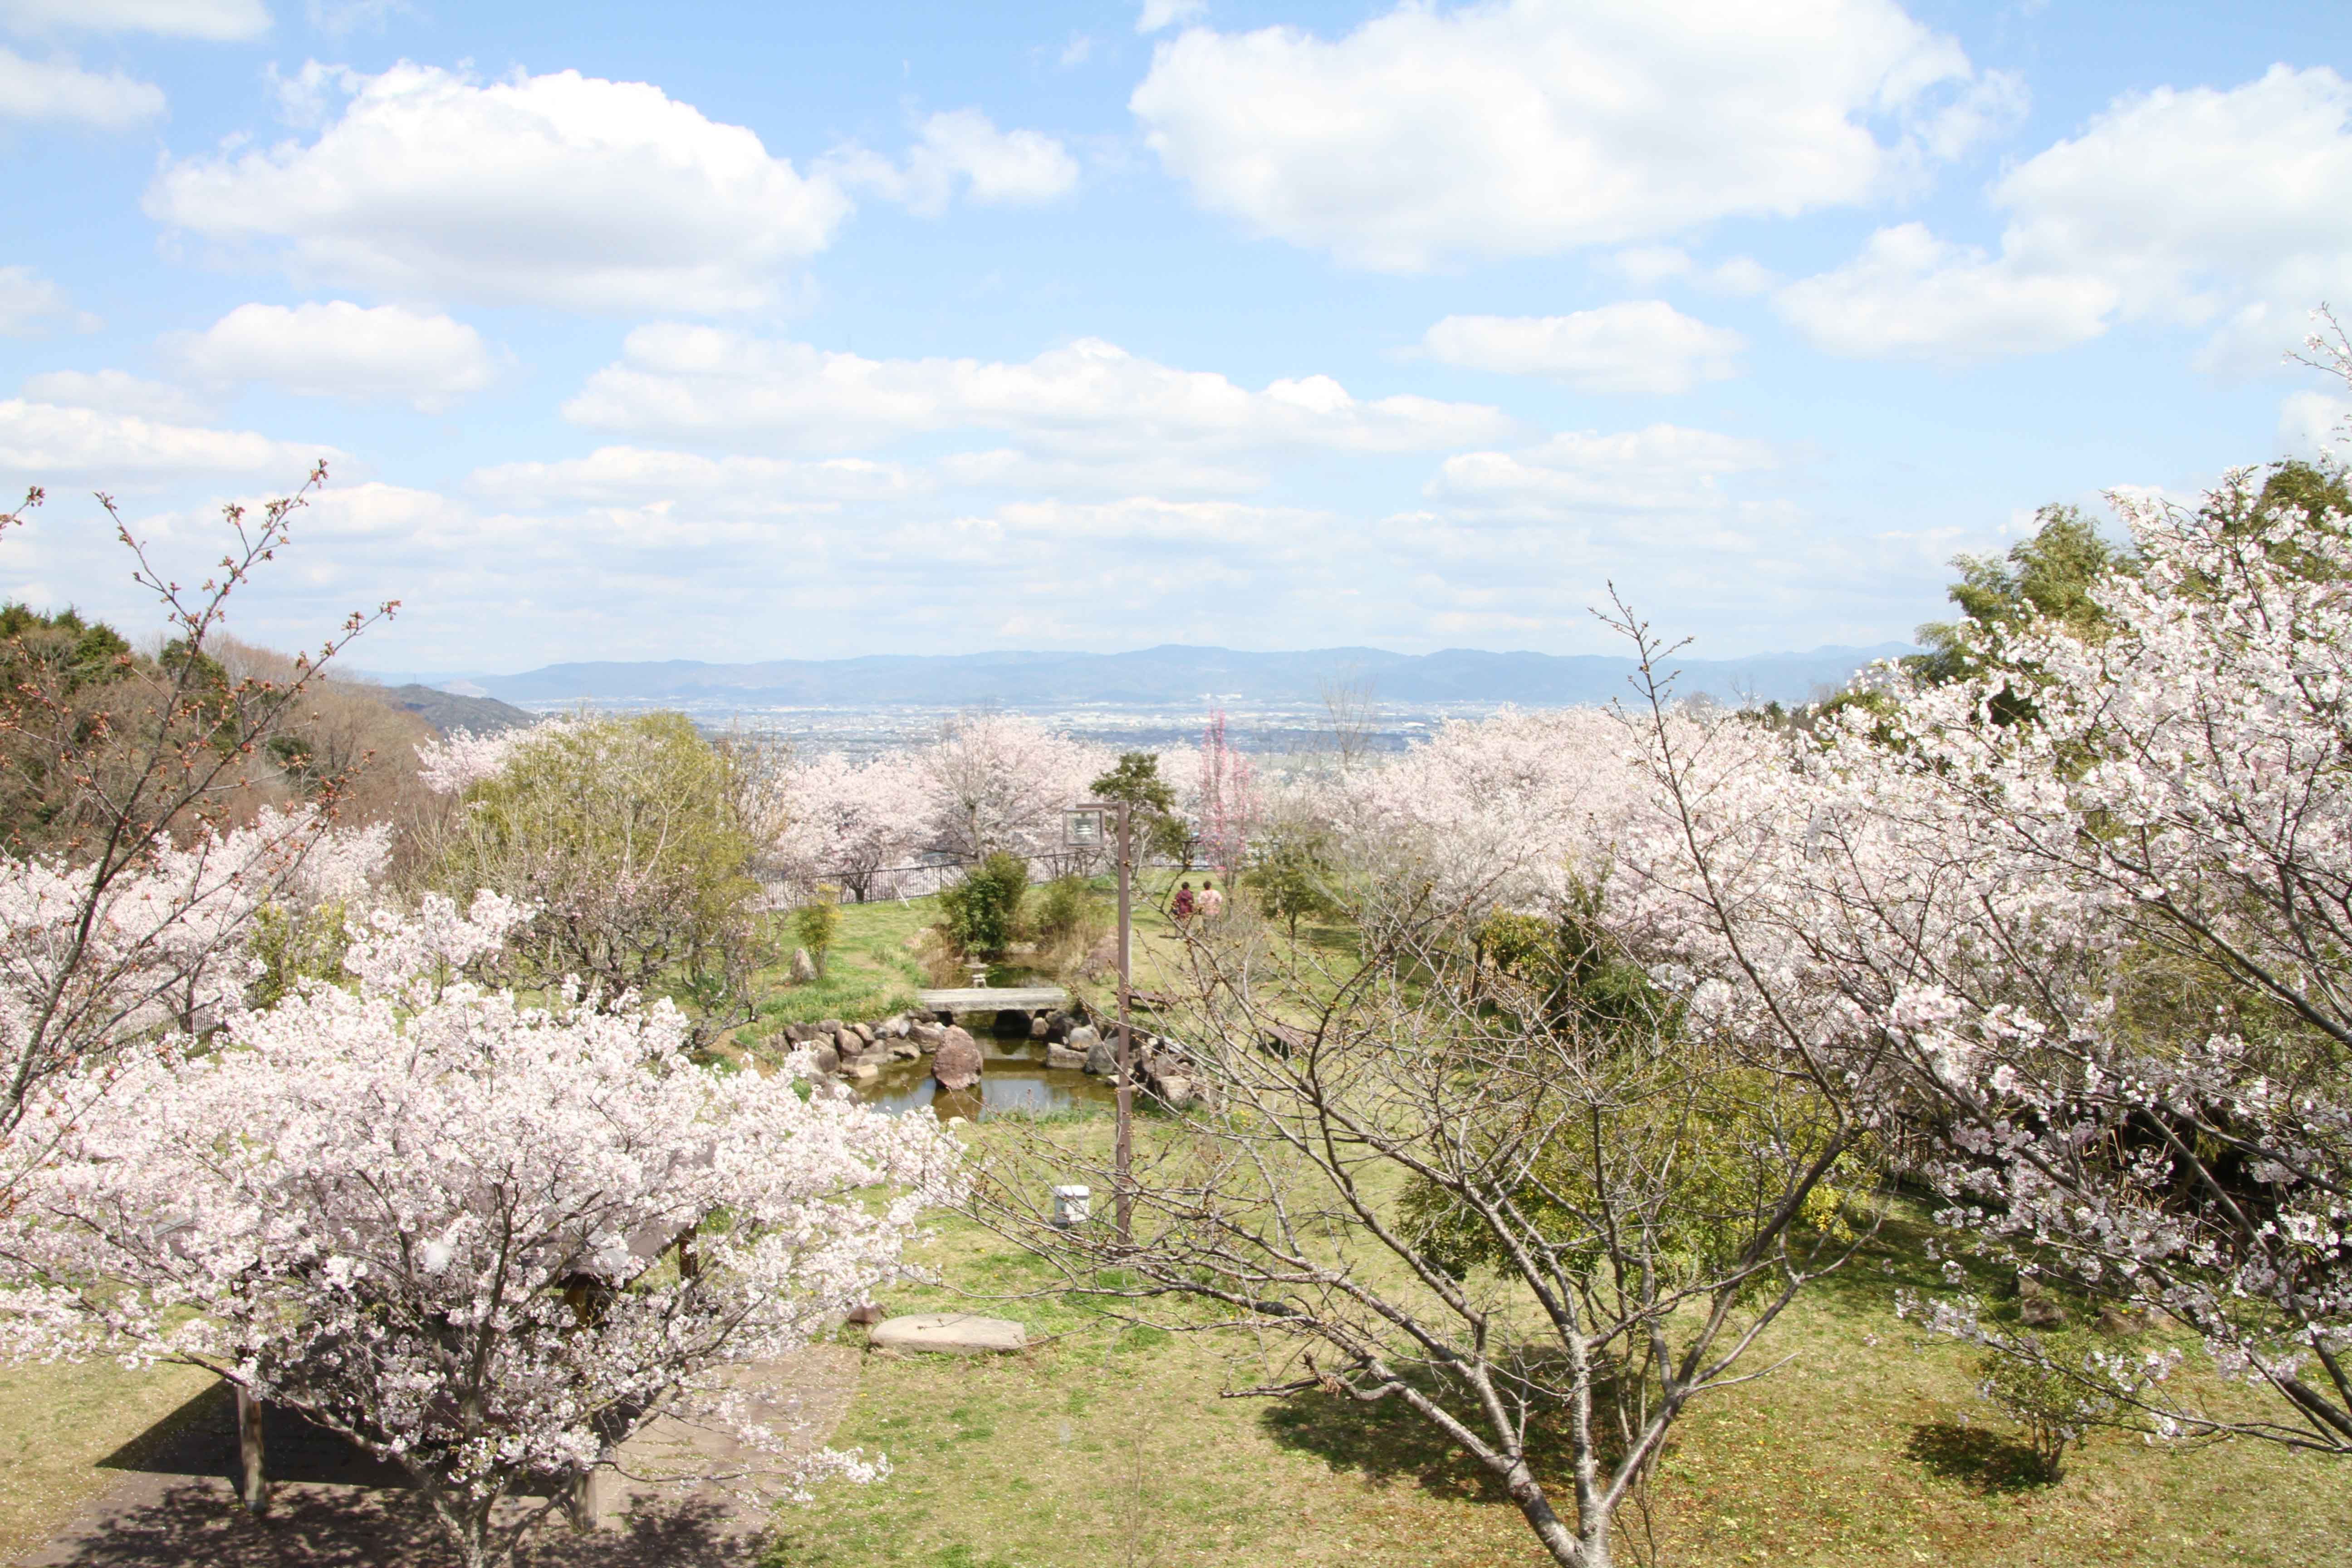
964,146
47,441
216,21
2224,211
1522,127
634,476
558,190
116,392
31,305
1637,346
1091,395
1649,265
2313,423
1158,14
1660,468
59,90
337,349
1912,295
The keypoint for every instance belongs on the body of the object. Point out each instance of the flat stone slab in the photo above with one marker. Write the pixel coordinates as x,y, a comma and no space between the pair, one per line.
995,999
953,1334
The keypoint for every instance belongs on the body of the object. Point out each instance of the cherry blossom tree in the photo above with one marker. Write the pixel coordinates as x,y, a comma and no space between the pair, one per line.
483,1240
849,821
998,782
2073,926
1230,810
135,918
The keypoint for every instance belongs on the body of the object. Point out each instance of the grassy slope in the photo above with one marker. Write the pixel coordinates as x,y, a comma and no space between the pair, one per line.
1107,1445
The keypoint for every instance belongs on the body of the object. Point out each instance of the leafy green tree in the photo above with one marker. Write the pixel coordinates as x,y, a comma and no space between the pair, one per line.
1136,780
2050,575
1293,877
983,911
627,833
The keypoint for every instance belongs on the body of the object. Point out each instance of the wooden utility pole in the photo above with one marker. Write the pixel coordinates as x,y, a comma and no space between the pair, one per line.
1124,1196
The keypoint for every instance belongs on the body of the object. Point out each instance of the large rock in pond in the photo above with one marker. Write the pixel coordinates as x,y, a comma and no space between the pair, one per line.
926,1034
957,1063
1065,1058
952,1333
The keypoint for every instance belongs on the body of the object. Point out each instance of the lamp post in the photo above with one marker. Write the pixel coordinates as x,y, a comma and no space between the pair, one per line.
1082,828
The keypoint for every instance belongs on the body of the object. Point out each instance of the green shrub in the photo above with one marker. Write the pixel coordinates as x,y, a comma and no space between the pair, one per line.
816,924
983,912
1064,907
2049,1386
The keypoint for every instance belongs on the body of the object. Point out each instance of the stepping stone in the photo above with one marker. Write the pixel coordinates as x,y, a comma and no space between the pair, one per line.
954,1333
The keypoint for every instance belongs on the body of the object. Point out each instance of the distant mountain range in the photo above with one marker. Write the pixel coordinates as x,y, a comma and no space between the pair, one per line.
1166,675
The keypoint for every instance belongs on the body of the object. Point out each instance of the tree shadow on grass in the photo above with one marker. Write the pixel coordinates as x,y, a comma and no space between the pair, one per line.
1387,1440
338,1527
1984,1461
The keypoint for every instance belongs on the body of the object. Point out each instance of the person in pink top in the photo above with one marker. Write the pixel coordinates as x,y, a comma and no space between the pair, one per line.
1210,903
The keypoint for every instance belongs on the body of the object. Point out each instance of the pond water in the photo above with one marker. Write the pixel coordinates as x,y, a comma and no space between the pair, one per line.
1014,1079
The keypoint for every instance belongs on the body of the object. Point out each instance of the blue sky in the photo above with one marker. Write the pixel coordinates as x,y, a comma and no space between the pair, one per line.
733,332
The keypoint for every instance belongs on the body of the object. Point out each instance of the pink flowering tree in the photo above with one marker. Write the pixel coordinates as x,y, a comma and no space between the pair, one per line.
1230,809
1001,782
135,918
484,1240
2073,928
853,823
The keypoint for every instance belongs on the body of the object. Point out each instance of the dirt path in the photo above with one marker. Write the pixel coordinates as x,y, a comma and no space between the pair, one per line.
334,1507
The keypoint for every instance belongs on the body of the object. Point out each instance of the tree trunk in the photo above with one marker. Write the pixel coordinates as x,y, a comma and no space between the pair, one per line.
253,1480
584,1497
1553,1530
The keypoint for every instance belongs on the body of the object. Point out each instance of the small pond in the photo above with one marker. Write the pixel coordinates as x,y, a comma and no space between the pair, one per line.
1014,1079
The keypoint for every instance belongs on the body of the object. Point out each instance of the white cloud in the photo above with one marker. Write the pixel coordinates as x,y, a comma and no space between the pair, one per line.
561,190
2227,211
1911,296
1521,128
47,441
1076,52
59,90
116,392
1649,265
1158,14
998,168
337,349
633,476
1089,397
1660,468
217,21
2313,423
31,304
1637,346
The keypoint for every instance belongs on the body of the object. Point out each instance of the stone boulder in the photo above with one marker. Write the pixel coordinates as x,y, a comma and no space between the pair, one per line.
865,1033
1040,1027
829,1027
949,1333
957,1062
799,1033
926,1034
905,1051
804,967
1065,1058
1102,1055
827,1059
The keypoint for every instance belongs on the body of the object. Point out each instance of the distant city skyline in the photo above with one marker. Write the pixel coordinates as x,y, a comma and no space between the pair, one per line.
733,332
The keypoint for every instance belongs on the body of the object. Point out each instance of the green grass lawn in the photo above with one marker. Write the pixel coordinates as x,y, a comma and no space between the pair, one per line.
1107,1443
